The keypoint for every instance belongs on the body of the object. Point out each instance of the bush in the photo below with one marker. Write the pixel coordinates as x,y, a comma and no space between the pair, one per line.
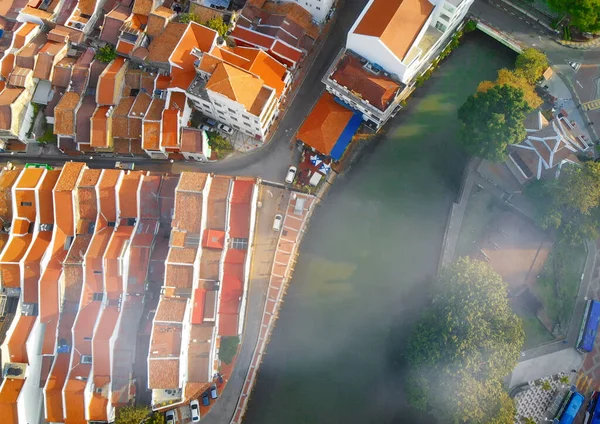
106,54
217,142
186,18
218,25
470,26
228,348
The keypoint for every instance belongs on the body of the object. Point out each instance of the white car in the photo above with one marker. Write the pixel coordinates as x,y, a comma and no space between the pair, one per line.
225,129
170,417
276,226
195,410
207,128
291,174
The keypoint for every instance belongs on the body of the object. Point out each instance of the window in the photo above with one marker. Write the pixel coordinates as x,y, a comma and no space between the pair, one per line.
111,223
98,272
440,26
97,297
239,243
445,17
231,110
87,339
86,359
449,8
26,204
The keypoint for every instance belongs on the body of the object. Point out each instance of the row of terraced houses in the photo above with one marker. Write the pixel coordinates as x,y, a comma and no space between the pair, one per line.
143,101
84,252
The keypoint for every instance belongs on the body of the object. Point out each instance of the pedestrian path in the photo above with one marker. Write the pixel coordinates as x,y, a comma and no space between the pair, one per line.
292,232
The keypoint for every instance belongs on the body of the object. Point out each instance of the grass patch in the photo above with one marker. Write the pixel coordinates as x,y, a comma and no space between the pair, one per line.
48,136
228,348
478,215
559,281
535,332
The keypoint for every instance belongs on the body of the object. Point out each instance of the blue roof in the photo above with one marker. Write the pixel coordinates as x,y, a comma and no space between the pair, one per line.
340,145
591,327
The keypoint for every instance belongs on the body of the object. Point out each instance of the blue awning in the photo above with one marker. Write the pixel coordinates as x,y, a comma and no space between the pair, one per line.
346,136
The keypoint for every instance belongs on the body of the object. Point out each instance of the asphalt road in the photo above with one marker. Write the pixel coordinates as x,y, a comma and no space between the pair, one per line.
271,161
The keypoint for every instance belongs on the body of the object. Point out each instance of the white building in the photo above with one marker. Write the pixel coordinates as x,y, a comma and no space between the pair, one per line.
386,47
317,8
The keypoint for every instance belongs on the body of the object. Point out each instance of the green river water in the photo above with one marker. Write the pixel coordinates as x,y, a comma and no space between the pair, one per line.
371,248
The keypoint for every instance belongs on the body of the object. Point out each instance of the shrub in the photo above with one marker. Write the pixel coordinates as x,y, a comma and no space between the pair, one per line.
228,348
470,26
106,54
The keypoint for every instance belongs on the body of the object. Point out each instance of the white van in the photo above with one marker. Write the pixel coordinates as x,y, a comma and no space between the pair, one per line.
277,222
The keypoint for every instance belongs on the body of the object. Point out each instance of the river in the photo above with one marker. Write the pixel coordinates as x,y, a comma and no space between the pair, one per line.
372,246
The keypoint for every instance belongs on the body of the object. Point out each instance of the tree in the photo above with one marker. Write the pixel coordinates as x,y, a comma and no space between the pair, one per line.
570,203
584,14
156,418
186,18
217,142
131,414
106,54
517,81
228,348
531,65
463,347
218,25
492,120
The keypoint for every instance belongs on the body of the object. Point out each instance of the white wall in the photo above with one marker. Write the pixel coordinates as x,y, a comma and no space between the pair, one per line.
317,8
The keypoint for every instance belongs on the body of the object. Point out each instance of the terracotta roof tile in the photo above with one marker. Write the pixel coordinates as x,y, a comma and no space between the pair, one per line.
235,84
143,7
180,276
166,340
62,72
157,20
192,140
192,181
170,129
128,206
181,255
396,22
377,89
151,135
324,125
155,110
7,179
100,124
120,125
195,36
171,309
64,114
163,374
162,46
140,105
83,119
106,93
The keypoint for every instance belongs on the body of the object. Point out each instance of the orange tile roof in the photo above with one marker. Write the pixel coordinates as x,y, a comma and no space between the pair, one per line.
325,123
48,305
166,340
284,51
140,105
192,140
188,212
158,20
73,399
9,393
143,7
64,113
195,36
7,180
53,389
180,276
170,128
177,100
125,47
270,71
181,255
149,196
235,84
296,13
162,46
378,90
45,205
100,127
69,176
120,117
31,272
192,181
105,94
107,185
396,22
171,309
128,206
100,342
163,374
151,136
162,83
16,343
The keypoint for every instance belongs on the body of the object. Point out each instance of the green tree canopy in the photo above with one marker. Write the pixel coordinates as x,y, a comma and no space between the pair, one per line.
218,25
106,54
131,414
531,65
584,14
517,81
492,120
228,348
569,203
186,18
463,347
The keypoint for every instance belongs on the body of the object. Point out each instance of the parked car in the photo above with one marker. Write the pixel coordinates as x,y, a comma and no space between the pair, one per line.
291,174
277,222
195,410
213,392
225,129
205,127
170,417
124,165
205,399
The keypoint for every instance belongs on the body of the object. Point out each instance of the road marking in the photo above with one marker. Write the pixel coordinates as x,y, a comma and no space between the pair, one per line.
592,105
